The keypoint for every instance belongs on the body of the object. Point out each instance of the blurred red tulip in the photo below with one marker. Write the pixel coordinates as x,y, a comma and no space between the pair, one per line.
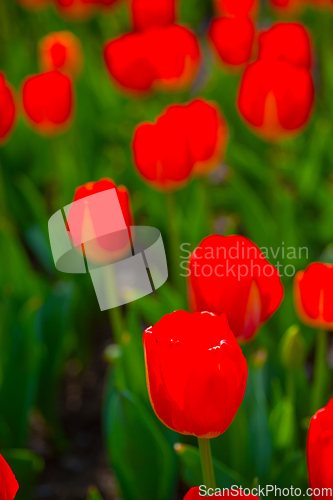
197,494
161,152
232,39
229,274
320,452
149,13
288,42
62,51
165,58
207,135
86,222
236,8
185,139
8,484
276,98
196,372
34,4
48,101
313,295
7,109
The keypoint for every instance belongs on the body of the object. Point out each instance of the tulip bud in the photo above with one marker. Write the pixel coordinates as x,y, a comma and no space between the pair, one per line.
229,270
61,51
84,224
276,98
7,109
150,13
48,102
196,372
293,348
320,451
9,485
313,295
232,40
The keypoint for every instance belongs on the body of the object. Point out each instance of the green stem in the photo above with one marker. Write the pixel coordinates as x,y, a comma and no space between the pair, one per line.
207,463
320,371
174,244
117,324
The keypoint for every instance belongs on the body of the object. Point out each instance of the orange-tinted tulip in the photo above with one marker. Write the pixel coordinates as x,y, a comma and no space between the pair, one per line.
7,109
166,58
320,452
149,13
236,7
229,274
62,51
199,492
196,372
289,42
48,101
186,139
8,484
313,295
85,223
232,39
276,98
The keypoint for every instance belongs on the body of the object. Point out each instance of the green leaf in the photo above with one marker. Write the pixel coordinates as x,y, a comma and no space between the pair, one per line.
26,465
94,494
143,460
190,469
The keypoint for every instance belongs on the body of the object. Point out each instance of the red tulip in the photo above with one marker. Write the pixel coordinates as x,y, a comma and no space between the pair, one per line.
149,13
196,372
79,10
166,58
48,101
232,39
288,42
62,51
229,274
91,224
320,452
198,494
313,295
276,98
207,135
7,109
185,139
8,484
236,8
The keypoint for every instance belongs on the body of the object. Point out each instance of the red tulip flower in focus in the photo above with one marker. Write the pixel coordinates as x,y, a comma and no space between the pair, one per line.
8,484
84,223
320,451
197,494
276,99
237,8
229,274
288,42
150,13
61,51
7,109
196,372
165,58
313,295
185,140
48,102
232,39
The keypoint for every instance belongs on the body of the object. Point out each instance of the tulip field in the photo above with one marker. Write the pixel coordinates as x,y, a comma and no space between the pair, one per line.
166,242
